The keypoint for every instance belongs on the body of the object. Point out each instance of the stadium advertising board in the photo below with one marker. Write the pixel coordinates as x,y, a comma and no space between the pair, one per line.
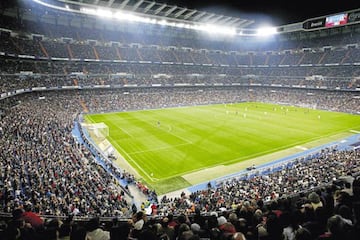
354,17
314,23
336,20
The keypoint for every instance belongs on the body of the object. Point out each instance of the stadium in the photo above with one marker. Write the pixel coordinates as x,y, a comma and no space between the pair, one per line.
135,119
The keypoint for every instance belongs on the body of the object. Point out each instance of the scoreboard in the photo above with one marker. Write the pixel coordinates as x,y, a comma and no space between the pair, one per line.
336,20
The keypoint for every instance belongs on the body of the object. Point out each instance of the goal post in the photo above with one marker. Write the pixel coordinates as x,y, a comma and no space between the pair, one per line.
97,130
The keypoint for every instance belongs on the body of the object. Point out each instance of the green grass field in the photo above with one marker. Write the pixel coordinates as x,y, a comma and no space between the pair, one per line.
164,144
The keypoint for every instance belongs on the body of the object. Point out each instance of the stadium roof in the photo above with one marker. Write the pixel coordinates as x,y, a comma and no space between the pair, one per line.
164,11
145,11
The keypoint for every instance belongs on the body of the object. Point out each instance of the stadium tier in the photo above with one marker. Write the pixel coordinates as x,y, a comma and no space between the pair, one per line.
148,131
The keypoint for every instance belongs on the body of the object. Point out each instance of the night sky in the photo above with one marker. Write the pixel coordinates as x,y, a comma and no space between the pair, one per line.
275,12
278,12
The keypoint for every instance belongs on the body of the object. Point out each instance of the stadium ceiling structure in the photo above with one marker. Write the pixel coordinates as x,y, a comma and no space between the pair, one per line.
164,11
151,12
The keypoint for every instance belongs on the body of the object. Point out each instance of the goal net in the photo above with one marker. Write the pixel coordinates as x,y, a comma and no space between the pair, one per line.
97,130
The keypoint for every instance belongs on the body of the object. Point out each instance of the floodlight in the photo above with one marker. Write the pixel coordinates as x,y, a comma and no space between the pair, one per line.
216,29
127,16
266,31
162,22
104,13
90,11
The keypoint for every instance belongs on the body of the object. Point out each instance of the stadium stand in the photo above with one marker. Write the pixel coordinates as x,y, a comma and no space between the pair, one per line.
50,74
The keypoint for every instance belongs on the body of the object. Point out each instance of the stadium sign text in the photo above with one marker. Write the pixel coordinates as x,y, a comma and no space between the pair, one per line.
354,16
315,23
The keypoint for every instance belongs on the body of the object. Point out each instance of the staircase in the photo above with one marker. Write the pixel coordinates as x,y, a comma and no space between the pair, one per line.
322,58
83,105
118,53
96,53
345,57
65,70
43,49
301,59
70,51
76,83
17,45
138,53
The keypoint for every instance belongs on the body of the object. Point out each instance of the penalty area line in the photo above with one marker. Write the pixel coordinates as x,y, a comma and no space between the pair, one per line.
130,158
126,132
159,148
179,137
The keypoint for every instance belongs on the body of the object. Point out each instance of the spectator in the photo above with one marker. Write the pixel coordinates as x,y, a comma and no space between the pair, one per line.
32,218
95,232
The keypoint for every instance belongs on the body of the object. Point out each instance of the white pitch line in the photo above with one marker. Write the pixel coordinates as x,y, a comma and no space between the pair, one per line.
184,139
179,137
126,132
354,131
152,179
301,148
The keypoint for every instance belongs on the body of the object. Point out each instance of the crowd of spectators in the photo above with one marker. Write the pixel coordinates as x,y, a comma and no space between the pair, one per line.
57,48
159,75
149,98
43,166
324,62
288,180
331,212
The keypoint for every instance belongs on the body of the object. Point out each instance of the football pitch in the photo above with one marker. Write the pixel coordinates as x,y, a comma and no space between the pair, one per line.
164,145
